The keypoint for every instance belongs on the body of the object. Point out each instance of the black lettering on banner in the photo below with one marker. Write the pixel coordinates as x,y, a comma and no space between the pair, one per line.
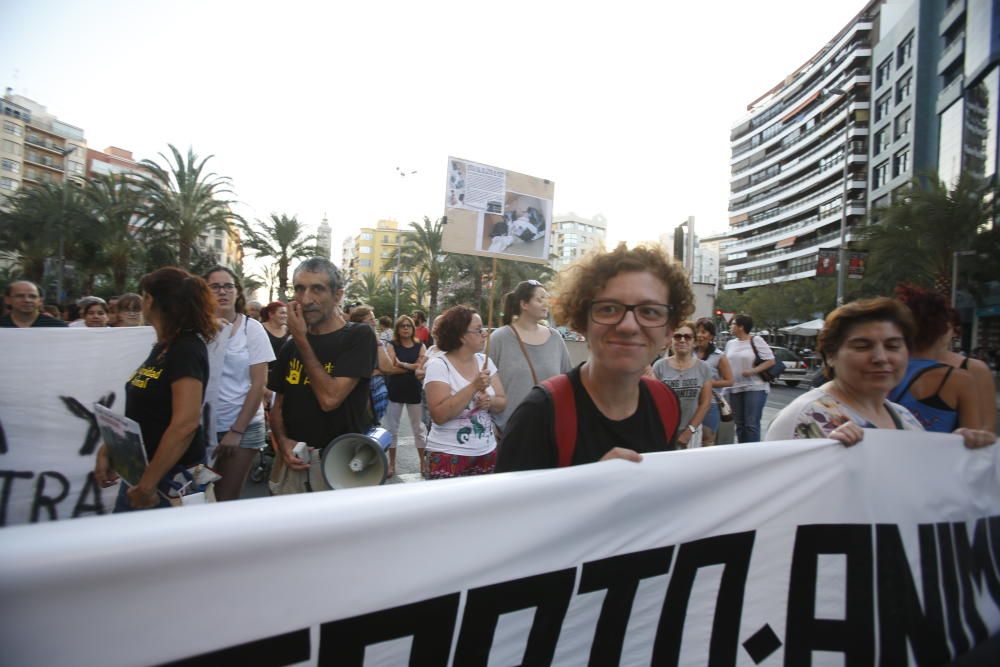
970,572
549,593
854,636
3,440
8,477
78,409
90,486
952,597
278,651
620,576
986,567
42,500
734,552
431,623
900,616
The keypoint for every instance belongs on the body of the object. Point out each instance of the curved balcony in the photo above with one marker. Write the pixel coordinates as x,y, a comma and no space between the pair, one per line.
790,253
800,228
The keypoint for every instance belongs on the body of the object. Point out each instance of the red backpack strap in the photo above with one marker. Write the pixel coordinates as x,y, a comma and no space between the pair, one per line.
667,405
560,390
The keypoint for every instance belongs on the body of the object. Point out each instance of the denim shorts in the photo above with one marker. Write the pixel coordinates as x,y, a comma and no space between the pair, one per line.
253,437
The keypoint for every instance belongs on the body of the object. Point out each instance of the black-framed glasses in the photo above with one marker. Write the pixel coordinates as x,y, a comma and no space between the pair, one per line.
221,287
648,315
479,332
683,336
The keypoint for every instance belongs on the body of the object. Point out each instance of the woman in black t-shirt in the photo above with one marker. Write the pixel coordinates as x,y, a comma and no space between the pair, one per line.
165,394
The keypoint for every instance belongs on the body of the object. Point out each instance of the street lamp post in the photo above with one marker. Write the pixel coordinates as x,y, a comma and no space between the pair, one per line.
954,271
842,248
62,230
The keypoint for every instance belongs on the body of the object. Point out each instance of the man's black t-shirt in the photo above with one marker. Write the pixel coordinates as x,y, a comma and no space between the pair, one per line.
41,321
347,352
149,398
529,439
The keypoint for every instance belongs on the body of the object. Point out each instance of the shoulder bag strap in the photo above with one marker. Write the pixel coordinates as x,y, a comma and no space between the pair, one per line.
534,377
897,422
667,405
897,393
560,391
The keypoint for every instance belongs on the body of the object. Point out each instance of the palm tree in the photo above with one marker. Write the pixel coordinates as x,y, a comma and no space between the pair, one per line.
115,230
368,288
183,201
915,238
282,238
423,251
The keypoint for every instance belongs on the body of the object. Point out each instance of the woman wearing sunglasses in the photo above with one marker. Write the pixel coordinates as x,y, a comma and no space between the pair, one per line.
691,380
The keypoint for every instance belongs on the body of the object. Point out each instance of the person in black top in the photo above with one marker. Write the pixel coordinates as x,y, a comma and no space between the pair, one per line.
407,354
24,300
165,394
626,303
322,375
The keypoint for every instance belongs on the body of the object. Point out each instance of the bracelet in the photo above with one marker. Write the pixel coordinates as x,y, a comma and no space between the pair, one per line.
237,432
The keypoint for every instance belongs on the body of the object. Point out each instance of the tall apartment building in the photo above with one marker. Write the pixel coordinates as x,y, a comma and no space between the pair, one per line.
796,158
36,147
323,238
374,250
112,160
573,236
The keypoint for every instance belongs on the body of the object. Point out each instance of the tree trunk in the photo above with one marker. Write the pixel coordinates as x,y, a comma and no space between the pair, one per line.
283,276
184,254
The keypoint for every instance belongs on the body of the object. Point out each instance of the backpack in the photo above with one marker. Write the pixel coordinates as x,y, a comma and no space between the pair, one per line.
560,390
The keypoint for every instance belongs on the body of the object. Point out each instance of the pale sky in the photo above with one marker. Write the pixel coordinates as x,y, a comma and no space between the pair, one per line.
310,107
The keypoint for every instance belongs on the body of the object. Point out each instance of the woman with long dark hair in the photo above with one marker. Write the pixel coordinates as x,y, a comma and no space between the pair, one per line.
239,415
165,393
524,350
407,355
722,376
749,356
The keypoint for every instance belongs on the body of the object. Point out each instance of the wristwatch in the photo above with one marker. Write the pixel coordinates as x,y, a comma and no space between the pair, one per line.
692,428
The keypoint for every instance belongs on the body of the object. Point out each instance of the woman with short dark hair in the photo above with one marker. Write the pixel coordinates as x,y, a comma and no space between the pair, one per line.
748,356
463,392
166,392
865,350
129,310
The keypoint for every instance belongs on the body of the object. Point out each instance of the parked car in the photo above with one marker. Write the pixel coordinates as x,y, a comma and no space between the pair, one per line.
796,368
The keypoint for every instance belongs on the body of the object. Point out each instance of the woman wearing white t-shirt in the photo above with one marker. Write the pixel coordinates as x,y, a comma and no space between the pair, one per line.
749,391
462,398
239,414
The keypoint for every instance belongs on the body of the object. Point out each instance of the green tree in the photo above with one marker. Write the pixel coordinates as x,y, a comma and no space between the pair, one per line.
423,251
416,282
184,201
915,238
367,288
114,230
282,237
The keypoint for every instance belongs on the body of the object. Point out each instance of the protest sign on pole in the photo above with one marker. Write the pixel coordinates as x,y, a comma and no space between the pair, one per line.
494,212
800,552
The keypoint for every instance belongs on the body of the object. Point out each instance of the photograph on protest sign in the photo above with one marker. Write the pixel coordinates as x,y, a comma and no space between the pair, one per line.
124,440
514,222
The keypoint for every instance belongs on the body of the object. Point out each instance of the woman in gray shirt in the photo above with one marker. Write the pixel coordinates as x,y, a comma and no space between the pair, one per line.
691,380
542,345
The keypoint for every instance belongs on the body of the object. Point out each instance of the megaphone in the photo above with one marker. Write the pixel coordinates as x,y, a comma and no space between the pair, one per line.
357,459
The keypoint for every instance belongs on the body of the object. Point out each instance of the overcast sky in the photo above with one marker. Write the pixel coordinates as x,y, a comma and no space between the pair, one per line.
311,107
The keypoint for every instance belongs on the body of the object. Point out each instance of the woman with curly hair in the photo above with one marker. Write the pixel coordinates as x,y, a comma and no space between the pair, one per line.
165,393
627,303
463,393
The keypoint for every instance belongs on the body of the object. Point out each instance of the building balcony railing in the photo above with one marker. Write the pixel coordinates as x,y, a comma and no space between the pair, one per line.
950,54
774,276
768,218
952,12
786,253
35,140
777,234
43,161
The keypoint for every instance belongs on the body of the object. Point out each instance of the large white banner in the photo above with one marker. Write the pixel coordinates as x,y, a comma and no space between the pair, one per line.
789,553
49,382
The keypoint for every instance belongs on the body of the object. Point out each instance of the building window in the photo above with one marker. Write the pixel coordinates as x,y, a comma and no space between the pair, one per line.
902,125
904,51
8,184
11,166
11,147
881,140
882,107
903,87
883,72
900,162
364,250
365,263
365,236
385,238
76,167
12,128
880,175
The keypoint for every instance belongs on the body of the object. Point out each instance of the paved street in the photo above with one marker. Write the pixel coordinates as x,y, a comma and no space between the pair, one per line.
408,469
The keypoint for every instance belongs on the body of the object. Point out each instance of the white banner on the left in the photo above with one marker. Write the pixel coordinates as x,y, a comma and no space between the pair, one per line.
50,381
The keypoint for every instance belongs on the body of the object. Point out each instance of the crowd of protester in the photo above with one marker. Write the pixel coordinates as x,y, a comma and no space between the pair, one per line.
480,401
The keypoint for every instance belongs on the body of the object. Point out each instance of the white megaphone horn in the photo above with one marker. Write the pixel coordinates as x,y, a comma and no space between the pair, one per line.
357,459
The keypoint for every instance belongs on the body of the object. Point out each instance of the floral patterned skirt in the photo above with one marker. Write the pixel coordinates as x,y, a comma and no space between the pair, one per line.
441,465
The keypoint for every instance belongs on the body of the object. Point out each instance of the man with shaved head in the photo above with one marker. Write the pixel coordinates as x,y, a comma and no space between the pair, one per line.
25,301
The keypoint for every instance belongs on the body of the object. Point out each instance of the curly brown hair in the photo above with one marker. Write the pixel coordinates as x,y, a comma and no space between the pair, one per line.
931,309
450,326
839,323
576,286
183,302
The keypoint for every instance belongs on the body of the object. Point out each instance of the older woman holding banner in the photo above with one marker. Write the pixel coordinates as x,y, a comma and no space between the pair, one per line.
865,349
627,303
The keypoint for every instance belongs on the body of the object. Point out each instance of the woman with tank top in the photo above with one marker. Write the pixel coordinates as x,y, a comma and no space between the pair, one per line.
941,396
407,355
722,376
